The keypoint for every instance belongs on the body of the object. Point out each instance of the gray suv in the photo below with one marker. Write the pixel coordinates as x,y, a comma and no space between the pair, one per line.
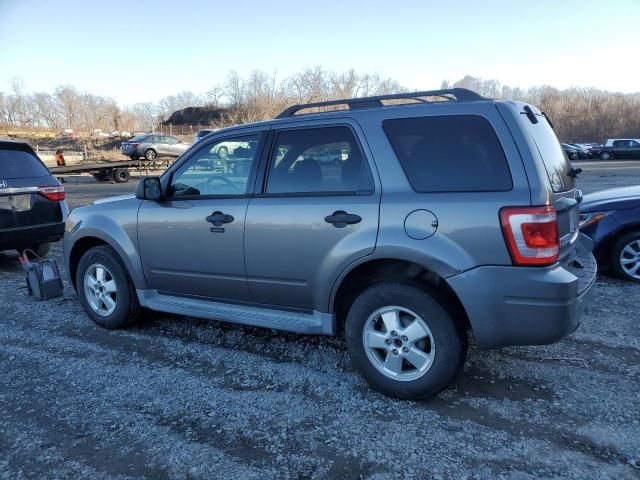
439,220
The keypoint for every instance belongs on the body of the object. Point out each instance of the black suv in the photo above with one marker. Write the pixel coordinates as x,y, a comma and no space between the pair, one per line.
32,206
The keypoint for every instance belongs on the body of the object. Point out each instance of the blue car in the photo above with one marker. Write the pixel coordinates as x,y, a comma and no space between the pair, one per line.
612,219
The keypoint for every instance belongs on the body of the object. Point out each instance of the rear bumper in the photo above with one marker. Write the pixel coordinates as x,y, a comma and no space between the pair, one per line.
526,305
15,238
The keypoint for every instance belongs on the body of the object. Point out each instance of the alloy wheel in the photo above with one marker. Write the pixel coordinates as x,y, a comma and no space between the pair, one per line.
100,289
399,343
630,259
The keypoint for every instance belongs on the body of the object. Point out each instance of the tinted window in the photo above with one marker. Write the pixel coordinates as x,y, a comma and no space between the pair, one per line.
318,160
634,144
554,158
620,143
449,153
140,138
220,168
20,164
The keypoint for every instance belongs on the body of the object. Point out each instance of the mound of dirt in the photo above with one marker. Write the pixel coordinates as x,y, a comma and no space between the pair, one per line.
196,116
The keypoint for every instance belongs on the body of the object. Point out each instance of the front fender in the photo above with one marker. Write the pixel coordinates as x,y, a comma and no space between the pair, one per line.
116,228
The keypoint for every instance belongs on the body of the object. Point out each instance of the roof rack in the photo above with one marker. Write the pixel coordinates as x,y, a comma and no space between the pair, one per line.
455,94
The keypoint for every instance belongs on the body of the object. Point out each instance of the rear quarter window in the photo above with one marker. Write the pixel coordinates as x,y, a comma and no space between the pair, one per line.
454,153
16,163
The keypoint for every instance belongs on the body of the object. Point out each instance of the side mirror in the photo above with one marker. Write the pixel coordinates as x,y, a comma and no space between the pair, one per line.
149,189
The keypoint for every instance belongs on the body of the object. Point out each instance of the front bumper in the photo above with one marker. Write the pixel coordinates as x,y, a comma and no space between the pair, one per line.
509,305
18,238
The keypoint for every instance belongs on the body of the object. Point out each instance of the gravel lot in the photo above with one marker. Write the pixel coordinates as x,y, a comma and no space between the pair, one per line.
184,398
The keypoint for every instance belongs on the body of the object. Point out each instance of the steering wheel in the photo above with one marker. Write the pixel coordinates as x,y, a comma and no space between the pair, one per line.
224,180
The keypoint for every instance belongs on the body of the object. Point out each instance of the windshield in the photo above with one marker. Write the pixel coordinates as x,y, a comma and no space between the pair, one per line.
555,159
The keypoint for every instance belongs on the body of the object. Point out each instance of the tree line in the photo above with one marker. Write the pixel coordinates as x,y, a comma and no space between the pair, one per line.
579,114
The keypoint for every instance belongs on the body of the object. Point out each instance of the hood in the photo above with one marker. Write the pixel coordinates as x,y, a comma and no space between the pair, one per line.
612,199
117,198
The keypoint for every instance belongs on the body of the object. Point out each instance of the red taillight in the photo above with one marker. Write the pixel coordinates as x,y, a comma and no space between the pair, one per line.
52,193
135,144
531,234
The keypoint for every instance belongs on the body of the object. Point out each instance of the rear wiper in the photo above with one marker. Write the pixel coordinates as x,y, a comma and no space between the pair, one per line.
548,120
530,115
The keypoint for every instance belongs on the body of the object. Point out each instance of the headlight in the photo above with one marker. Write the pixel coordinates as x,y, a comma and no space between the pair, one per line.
587,219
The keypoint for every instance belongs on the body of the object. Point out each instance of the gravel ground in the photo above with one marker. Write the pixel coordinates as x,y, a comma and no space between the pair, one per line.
183,398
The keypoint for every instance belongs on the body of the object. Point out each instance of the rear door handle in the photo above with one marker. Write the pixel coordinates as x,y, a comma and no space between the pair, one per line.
341,219
218,218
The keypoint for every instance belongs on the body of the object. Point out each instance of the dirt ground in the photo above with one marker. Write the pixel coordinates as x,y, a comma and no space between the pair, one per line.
182,398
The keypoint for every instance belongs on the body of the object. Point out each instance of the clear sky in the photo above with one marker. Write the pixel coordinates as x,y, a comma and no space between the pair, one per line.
143,50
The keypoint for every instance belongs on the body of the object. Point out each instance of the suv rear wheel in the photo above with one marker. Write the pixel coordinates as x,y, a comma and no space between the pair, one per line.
105,289
403,341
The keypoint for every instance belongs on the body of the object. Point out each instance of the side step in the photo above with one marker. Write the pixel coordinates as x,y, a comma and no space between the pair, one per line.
312,323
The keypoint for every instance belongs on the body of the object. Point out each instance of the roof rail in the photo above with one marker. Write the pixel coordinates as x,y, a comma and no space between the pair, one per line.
458,94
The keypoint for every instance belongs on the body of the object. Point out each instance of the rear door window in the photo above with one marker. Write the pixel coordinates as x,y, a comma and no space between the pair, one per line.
323,160
454,153
16,163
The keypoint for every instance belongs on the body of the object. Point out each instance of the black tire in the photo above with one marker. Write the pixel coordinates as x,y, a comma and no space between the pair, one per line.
150,154
127,309
121,175
616,251
449,335
135,157
40,250
102,176
605,156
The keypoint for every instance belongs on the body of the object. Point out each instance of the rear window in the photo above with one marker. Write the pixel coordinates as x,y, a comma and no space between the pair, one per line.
555,159
139,138
16,163
455,153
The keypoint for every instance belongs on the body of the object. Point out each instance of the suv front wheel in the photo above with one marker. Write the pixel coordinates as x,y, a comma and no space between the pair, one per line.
403,341
105,289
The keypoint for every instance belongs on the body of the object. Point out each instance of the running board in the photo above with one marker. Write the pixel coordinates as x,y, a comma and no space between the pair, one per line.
312,323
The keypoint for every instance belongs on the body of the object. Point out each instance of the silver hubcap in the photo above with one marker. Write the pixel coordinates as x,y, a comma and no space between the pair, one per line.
399,343
630,259
100,289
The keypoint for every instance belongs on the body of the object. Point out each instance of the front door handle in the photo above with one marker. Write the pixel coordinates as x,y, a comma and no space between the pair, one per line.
341,219
218,218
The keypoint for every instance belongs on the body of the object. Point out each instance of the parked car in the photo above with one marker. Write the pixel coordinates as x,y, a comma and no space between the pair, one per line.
612,219
32,205
203,133
584,151
572,152
153,145
620,148
444,217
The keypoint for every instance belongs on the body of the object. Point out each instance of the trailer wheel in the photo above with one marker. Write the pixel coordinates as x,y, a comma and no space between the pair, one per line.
121,175
102,176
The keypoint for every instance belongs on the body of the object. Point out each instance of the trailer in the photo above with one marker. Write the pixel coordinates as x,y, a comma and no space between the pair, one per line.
119,171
